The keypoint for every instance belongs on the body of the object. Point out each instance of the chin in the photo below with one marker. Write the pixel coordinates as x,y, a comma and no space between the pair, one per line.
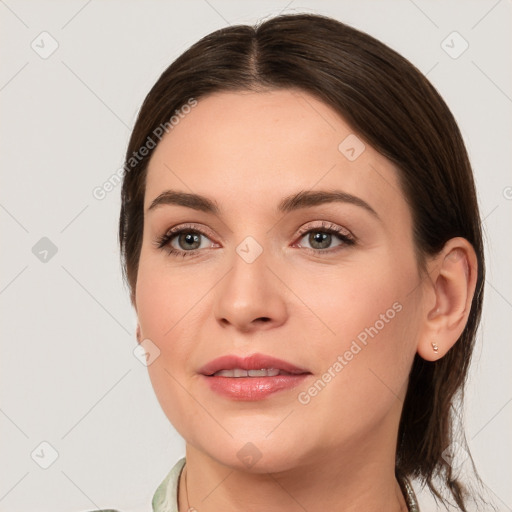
257,455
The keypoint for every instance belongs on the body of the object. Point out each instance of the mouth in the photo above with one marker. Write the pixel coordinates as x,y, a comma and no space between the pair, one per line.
251,378
255,365
239,372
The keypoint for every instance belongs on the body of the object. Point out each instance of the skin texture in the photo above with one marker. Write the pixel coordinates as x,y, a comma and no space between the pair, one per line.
247,151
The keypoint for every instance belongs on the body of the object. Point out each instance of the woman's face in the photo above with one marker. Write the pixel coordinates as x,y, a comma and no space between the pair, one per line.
267,273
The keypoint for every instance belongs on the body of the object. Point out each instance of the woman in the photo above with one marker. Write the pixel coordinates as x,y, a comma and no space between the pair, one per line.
301,237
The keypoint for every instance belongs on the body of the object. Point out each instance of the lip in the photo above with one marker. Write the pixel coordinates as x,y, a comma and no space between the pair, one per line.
251,388
252,362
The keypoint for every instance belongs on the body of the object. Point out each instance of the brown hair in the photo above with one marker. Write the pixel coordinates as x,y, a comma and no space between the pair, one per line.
392,107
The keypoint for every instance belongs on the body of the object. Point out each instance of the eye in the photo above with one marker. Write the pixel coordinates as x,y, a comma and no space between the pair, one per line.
183,241
324,237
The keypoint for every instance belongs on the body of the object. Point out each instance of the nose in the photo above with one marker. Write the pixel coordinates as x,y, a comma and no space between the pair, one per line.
250,296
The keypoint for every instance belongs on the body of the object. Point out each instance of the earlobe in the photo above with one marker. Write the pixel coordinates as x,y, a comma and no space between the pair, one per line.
431,351
453,275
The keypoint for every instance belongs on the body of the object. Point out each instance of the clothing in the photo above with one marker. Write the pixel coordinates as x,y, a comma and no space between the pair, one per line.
165,498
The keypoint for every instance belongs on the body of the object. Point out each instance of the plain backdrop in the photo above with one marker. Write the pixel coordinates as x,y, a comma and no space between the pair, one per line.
73,76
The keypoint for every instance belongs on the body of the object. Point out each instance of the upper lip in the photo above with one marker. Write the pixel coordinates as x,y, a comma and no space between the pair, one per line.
252,362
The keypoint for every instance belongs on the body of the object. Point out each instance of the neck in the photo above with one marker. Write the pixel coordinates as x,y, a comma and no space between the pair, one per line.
360,482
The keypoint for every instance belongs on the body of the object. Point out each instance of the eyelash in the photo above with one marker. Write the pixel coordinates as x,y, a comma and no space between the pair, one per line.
163,242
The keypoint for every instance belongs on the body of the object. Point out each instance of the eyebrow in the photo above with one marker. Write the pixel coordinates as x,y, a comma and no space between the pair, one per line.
303,199
194,201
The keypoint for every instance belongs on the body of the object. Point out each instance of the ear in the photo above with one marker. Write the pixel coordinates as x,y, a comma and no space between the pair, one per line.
450,287
138,334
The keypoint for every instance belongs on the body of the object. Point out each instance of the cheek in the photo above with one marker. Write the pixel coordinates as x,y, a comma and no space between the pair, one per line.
164,296
365,342
354,302
164,303
164,310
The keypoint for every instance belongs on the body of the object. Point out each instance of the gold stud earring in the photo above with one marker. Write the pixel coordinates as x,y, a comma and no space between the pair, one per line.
435,348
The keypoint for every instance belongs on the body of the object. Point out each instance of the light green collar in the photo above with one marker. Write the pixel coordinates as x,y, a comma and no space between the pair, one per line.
165,498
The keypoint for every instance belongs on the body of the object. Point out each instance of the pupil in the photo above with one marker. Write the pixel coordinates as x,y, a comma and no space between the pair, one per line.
318,240
190,240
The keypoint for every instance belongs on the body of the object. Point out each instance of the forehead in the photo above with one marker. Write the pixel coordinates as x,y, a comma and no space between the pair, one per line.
251,149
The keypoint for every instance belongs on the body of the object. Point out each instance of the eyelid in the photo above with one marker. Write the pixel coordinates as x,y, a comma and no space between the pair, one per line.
203,230
328,226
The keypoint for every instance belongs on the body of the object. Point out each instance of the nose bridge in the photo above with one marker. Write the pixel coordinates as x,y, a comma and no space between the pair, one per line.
250,291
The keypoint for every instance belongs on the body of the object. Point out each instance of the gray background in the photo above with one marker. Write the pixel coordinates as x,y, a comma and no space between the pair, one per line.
69,375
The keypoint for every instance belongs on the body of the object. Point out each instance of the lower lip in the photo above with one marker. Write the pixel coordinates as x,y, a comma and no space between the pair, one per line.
253,388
